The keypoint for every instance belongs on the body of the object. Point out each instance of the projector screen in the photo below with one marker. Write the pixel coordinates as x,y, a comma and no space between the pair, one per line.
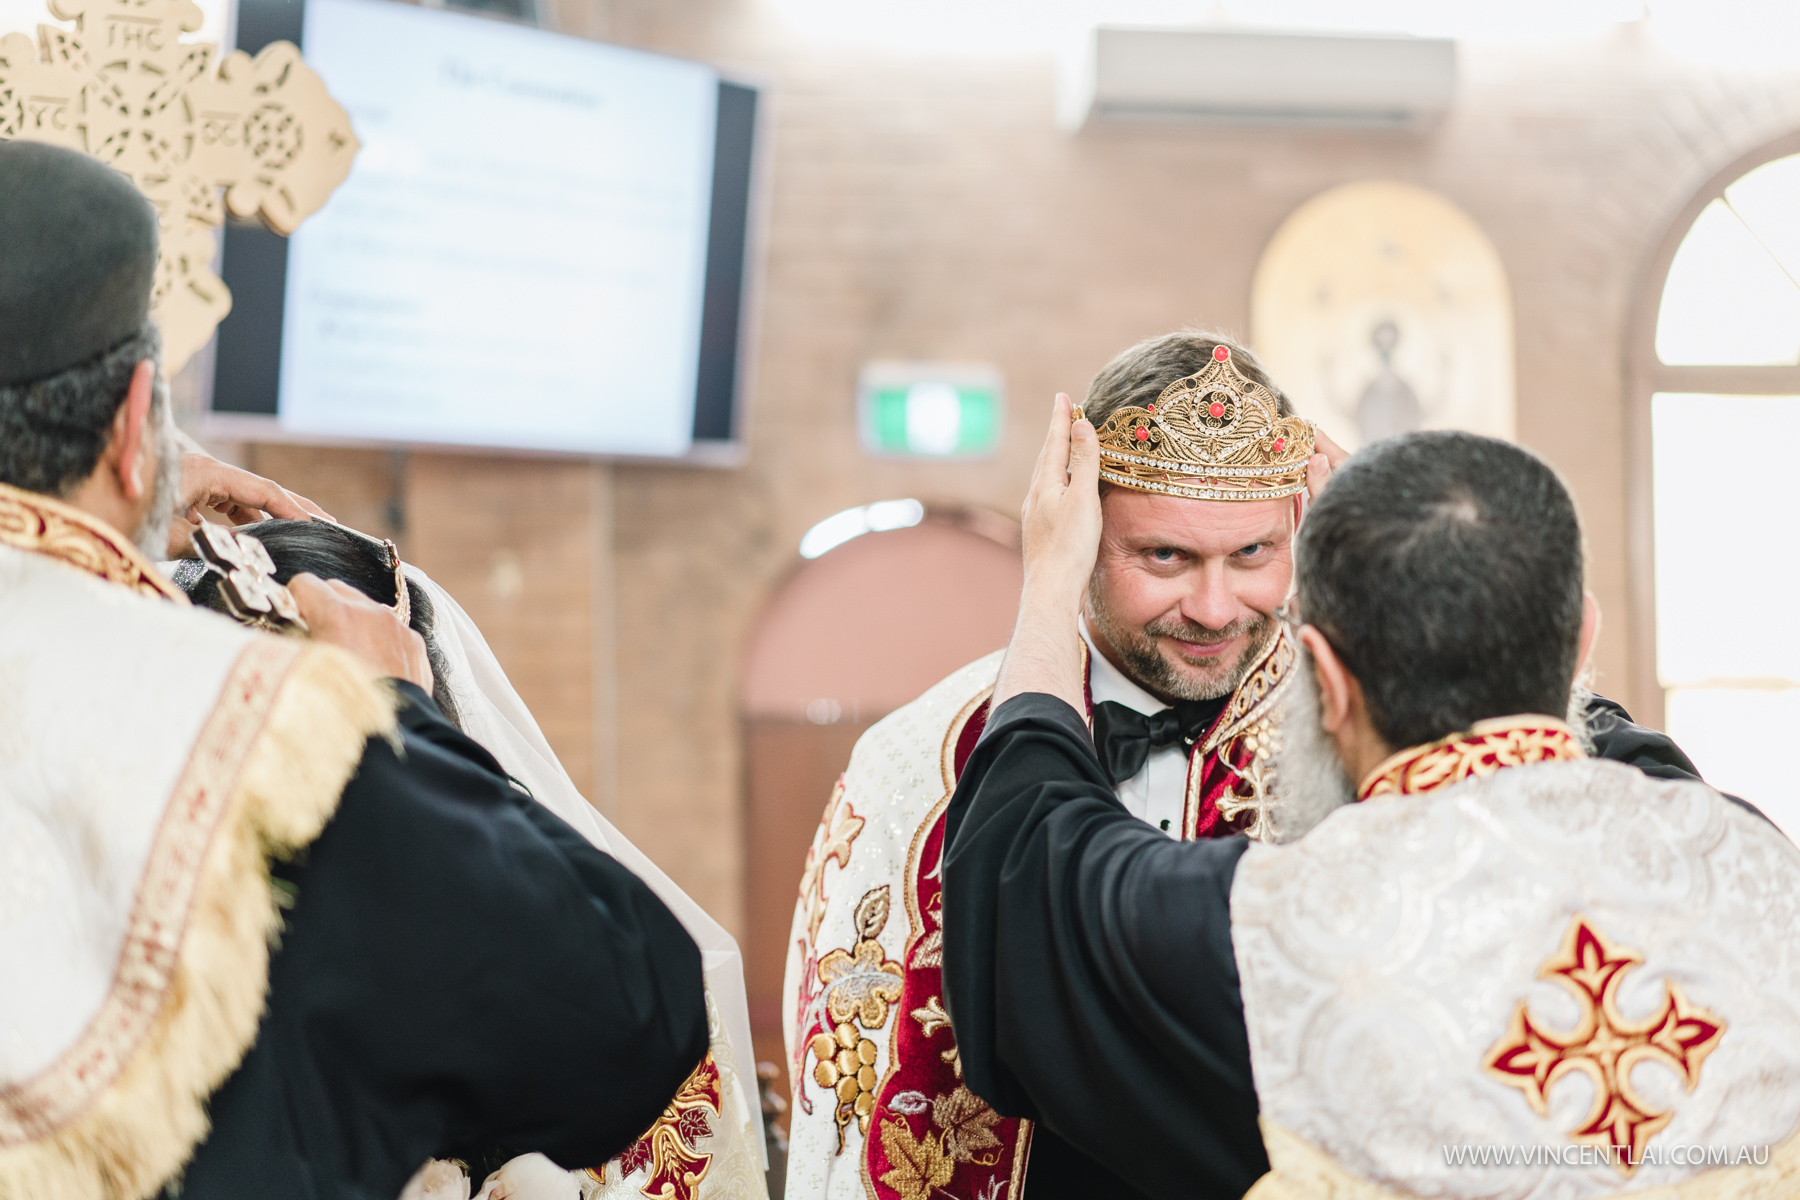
539,247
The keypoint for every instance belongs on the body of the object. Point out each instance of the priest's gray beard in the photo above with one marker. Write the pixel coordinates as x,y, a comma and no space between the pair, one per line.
1310,781
1146,665
152,536
1577,717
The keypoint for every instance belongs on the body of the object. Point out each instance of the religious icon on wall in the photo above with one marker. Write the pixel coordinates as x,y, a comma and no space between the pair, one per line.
1382,308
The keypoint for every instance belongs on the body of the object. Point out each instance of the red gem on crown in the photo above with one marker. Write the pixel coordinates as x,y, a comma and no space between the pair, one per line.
1221,352
1143,435
1215,408
1279,444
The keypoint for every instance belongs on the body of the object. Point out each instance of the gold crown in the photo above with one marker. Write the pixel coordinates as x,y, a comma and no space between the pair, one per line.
1216,435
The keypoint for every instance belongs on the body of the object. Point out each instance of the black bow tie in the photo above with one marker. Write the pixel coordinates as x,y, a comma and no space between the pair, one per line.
1124,736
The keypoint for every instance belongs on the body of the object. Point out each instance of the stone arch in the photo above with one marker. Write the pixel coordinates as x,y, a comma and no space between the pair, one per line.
849,637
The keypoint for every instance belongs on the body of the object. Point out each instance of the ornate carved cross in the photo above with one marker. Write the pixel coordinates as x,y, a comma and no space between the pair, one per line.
122,86
1604,1045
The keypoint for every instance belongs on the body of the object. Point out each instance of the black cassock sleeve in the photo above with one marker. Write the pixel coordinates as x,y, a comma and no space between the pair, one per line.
1088,965
1654,753
462,974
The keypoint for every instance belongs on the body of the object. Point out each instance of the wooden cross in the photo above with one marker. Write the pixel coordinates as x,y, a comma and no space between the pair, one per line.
1604,1045
122,86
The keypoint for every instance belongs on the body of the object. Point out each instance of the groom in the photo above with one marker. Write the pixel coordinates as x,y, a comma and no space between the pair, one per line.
263,930
1357,1007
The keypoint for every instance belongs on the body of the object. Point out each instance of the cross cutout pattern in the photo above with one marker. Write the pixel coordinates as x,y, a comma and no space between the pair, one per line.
122,86
1604,1045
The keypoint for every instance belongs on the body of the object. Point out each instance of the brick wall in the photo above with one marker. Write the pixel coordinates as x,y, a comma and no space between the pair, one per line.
927,207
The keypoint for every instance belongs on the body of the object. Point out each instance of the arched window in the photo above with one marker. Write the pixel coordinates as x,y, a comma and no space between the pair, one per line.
1716,547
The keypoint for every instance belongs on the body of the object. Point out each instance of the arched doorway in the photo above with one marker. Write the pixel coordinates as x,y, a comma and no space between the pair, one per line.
852,635
1382,307
1715,404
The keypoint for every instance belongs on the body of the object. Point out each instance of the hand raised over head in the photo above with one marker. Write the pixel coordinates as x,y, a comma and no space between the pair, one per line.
232,492
341,616
1061,518
1061,514
1320,466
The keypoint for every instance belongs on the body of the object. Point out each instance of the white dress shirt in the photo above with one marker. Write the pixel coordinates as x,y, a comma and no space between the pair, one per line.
1158,793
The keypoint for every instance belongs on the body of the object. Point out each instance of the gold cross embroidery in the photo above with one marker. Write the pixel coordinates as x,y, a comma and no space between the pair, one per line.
123,87
1604,1045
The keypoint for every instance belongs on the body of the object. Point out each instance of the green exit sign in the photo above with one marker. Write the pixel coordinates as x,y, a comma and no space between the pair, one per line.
930,410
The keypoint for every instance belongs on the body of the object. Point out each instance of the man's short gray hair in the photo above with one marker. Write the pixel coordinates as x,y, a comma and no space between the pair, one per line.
1136,377
53,429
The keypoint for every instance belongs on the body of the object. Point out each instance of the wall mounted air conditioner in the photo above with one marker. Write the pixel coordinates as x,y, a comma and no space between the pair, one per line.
1241,76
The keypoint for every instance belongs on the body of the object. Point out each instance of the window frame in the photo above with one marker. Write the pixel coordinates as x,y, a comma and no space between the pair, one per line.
1646,375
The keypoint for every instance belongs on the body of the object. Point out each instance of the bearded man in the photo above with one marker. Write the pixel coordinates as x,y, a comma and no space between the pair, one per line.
454,969
1183,666
1364,997
1185,671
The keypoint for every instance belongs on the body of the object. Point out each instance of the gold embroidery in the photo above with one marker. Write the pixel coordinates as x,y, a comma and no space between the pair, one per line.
837,830
41,525
919,1166
1257,695
968,1126
1604,1045
1249,715
1484,749
1257,777
931,1017
859,986
965,1133
172,874
670,1149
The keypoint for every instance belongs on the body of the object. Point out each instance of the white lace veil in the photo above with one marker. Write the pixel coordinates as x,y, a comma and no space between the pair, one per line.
492,713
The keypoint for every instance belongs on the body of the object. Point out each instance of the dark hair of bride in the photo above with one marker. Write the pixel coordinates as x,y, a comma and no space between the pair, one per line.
333,552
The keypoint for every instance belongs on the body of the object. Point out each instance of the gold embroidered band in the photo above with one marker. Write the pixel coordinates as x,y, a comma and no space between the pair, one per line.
29,521
1484,749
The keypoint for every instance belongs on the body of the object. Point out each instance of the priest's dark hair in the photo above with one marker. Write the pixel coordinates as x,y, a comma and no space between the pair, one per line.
333,552
54,428
1445,570
1137,376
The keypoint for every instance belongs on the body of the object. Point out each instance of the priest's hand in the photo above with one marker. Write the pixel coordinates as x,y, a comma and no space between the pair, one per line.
1320,466
235,494
341,616
1061,519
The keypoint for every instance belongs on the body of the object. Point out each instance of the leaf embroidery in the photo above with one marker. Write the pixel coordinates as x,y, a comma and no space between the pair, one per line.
915,1168
864,981
968,1124
871,913
693,1126
930,950
862,984
637,1156
837,830
932,1017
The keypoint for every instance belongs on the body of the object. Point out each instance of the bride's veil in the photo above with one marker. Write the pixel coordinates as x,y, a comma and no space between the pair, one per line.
492,713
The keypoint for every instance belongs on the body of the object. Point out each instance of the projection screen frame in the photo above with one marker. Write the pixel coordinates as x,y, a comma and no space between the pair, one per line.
256,23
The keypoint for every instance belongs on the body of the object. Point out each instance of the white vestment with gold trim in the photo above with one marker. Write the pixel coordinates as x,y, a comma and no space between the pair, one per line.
1407,1014
151,757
